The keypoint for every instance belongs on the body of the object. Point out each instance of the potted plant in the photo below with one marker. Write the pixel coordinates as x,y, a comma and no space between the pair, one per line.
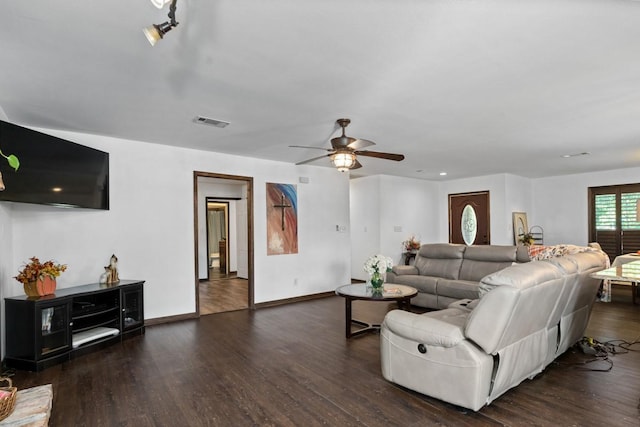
376,266
39,278
527,239
13,162
411,245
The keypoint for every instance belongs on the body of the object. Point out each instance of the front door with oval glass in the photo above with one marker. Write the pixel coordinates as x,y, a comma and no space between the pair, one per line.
469,218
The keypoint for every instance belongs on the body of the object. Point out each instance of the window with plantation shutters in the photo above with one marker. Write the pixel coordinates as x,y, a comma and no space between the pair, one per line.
614,214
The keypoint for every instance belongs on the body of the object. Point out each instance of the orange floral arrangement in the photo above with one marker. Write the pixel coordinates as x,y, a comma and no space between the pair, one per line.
413,244
36,270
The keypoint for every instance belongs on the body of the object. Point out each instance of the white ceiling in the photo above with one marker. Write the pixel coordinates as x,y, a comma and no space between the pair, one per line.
470,87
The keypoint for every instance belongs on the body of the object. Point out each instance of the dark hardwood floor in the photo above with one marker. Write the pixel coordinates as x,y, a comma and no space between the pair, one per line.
291,365
222,293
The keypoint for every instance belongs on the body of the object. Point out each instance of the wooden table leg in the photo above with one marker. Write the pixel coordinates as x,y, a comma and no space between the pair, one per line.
347,316
405,304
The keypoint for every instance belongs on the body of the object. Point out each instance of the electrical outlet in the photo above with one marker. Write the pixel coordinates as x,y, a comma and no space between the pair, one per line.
397,228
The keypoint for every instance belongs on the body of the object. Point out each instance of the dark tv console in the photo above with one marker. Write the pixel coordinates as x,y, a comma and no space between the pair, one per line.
44,331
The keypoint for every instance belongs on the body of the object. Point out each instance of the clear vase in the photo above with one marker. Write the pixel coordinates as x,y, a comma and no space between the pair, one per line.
377,282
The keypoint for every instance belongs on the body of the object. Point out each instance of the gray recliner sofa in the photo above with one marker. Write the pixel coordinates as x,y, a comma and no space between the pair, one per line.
471,353
444,273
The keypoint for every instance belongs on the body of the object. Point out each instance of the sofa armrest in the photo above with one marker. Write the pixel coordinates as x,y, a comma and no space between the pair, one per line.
401,270
424,329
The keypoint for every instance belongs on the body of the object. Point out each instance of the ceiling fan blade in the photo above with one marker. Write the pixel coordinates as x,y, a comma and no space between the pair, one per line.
360,143
379,155
342,142
313,159
356,165
314,148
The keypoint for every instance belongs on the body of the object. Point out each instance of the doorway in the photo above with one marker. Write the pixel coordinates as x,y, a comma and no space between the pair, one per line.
217,237
223,224
469,218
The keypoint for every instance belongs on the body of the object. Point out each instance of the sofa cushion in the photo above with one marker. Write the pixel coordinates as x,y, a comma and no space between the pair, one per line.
404,269
492,253
421,283
520,276
475,270
458,289
443,328
522,253
440,260
482,260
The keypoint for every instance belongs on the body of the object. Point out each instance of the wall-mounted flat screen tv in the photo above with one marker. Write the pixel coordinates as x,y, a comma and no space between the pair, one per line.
52,171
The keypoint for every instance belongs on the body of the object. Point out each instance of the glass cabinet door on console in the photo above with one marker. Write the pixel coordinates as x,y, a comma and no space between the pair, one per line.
38,331
132,307
54,324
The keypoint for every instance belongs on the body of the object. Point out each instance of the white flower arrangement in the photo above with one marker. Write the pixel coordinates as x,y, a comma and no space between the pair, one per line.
378,264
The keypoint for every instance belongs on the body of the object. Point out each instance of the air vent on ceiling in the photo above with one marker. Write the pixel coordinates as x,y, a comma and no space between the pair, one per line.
212,122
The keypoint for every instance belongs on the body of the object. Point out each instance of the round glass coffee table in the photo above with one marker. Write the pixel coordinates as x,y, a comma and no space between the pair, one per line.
402,294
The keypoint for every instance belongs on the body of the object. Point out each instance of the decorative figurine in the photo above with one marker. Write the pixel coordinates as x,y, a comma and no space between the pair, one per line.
112,271
104,276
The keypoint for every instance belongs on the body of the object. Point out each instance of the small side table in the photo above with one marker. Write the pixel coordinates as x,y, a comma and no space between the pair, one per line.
400,293
628,274
408,256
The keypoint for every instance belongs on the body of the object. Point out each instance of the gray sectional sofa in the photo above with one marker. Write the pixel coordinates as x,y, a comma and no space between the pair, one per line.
469,354
444,273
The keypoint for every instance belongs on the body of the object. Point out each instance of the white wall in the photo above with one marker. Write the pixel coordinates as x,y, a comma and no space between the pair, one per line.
385,211
408,209
561,203
365,205
323,262
518,198
558,204
150,226
409,206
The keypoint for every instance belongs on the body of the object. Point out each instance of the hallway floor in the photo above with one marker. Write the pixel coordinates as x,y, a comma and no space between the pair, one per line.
223,293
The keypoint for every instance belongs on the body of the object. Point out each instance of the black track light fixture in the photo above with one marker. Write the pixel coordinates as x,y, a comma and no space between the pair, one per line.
156,32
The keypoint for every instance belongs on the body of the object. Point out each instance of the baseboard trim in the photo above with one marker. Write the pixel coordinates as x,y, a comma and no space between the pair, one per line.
294,299
169,319
189,316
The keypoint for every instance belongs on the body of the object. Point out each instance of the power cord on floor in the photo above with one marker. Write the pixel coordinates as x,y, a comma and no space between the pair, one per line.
601,352
622,344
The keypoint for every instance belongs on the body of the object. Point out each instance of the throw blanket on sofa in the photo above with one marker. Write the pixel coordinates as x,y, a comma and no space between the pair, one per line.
540,252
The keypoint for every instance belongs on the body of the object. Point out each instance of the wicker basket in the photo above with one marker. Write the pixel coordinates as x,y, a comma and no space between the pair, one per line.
7,401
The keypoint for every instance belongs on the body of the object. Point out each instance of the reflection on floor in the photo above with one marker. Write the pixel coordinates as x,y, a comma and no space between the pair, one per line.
223,293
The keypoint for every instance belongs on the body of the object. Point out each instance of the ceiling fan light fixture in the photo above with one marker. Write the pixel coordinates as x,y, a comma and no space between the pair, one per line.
160,3
343,160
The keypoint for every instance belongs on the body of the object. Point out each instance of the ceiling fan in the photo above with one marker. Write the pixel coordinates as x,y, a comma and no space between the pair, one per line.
345,150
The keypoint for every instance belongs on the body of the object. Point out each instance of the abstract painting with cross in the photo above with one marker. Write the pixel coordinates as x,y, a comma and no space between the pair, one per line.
282,219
